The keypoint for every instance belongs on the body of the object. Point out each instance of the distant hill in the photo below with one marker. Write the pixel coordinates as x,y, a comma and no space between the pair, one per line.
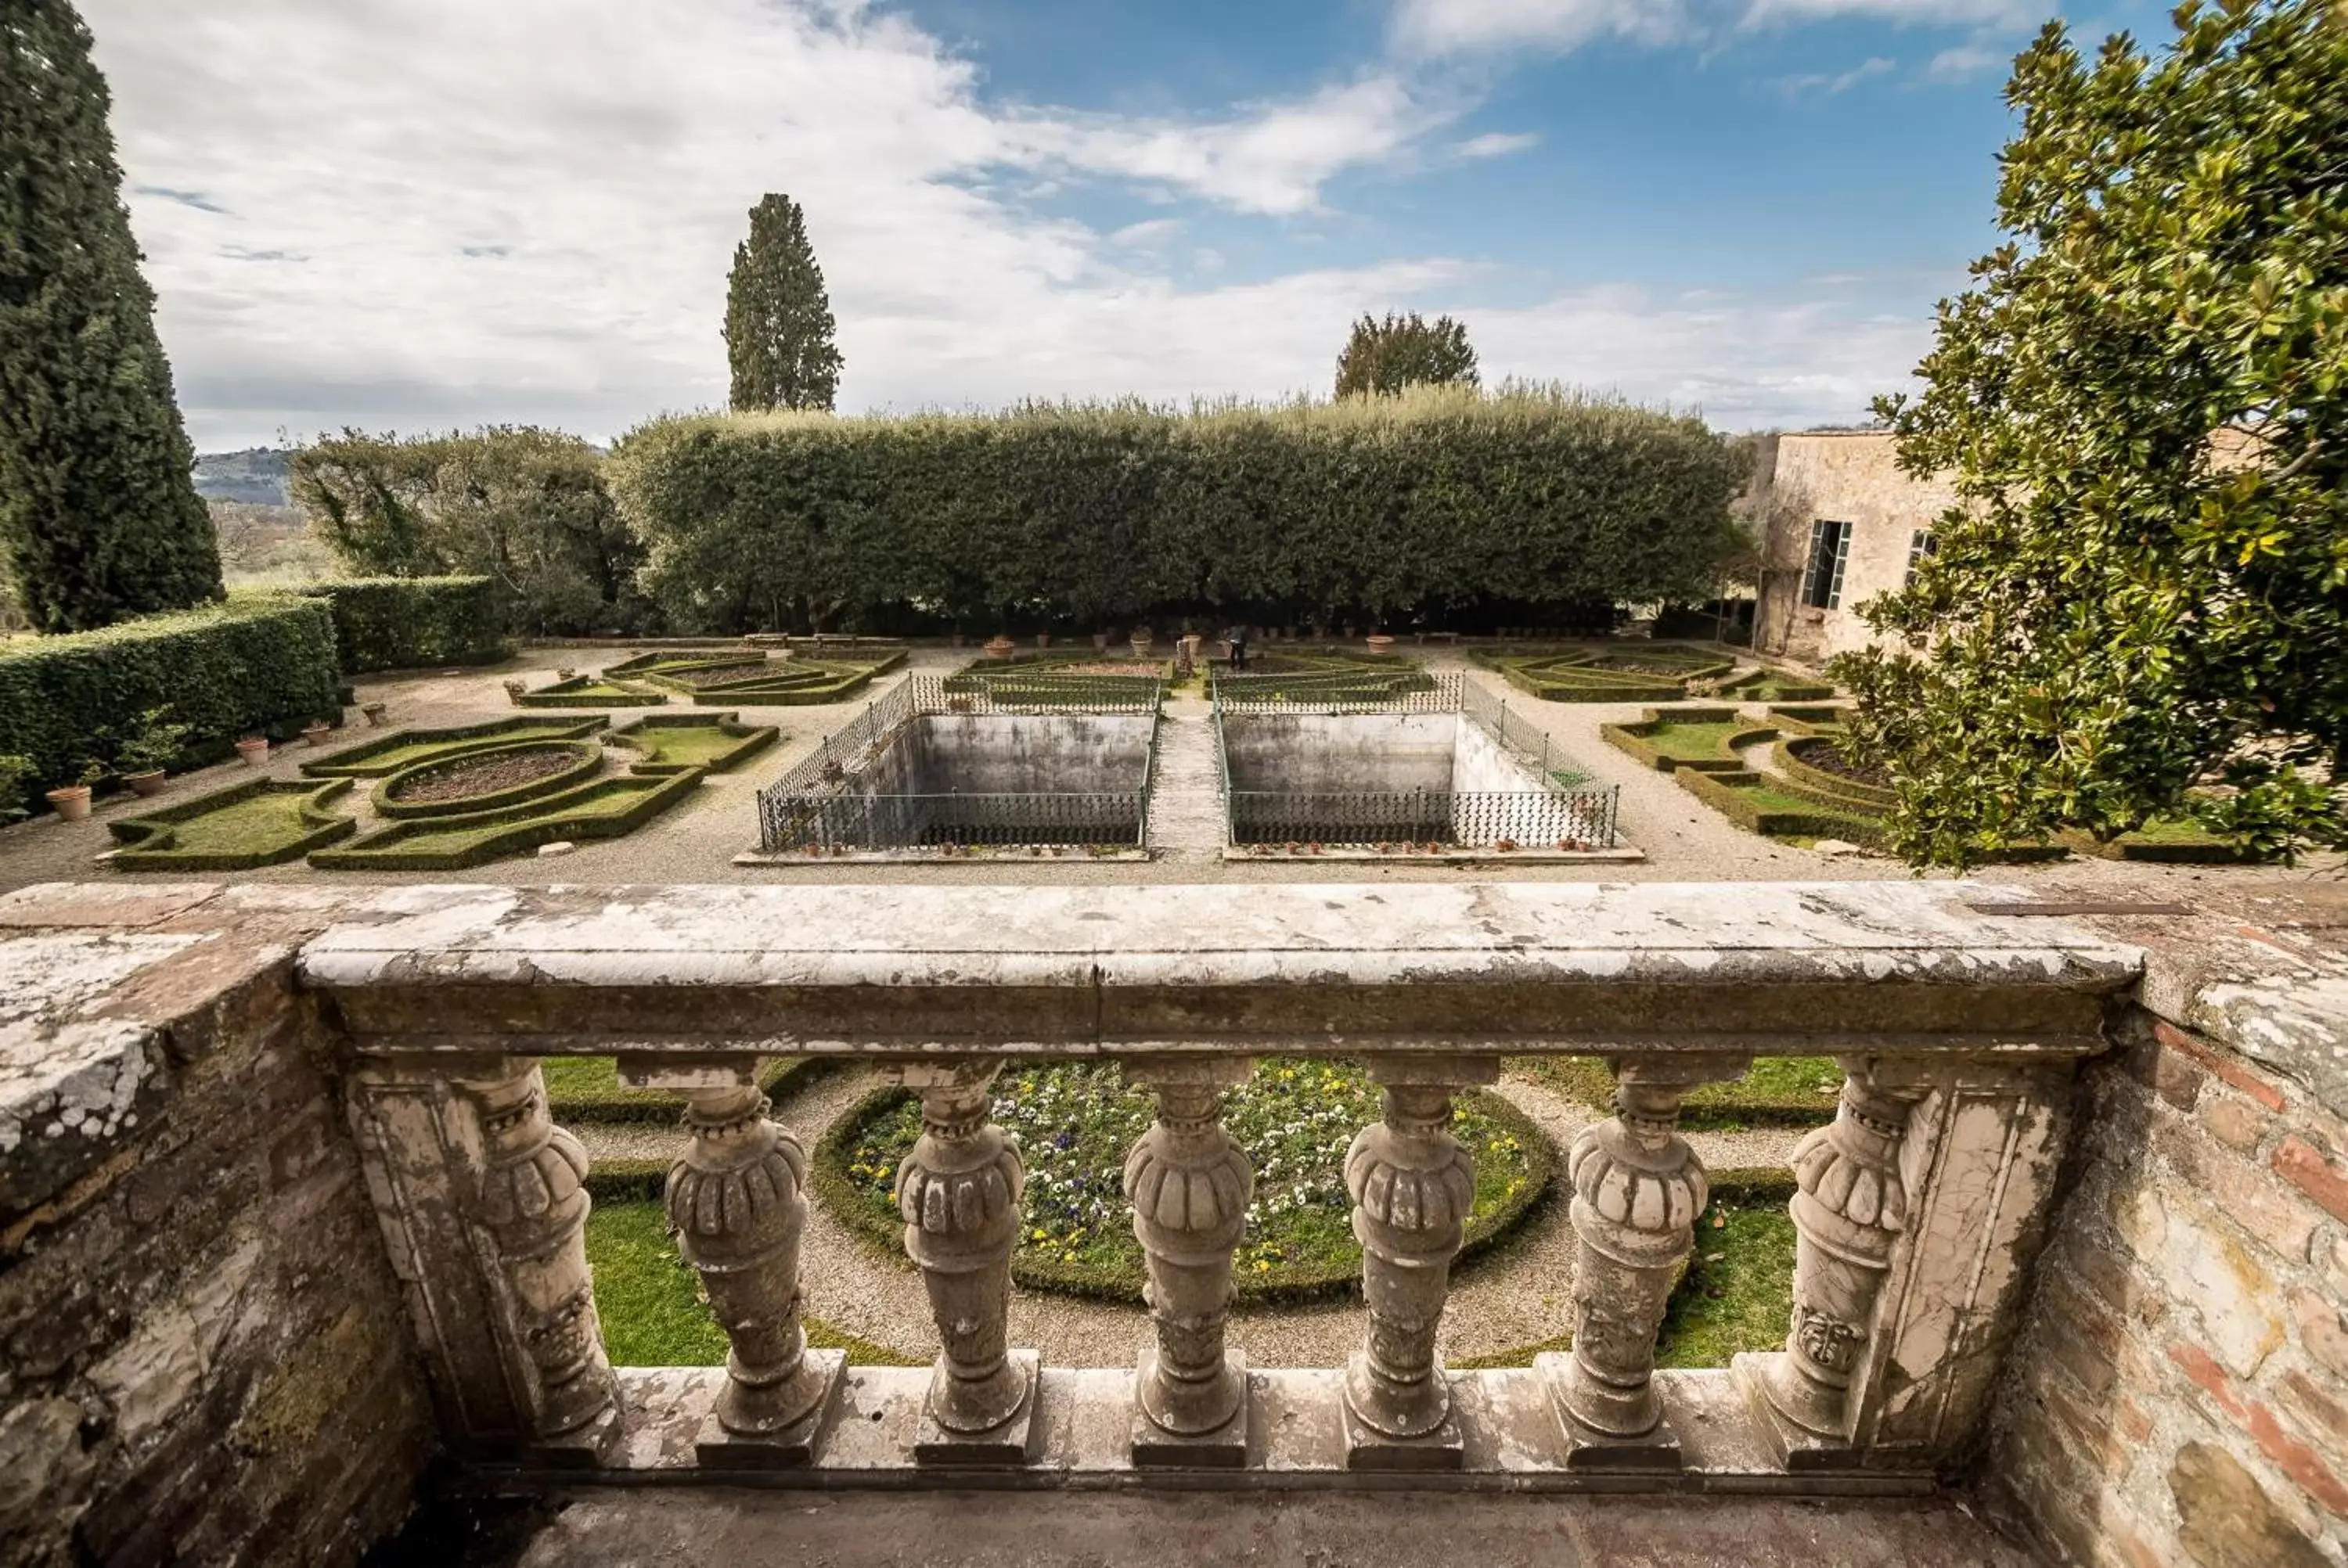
255,477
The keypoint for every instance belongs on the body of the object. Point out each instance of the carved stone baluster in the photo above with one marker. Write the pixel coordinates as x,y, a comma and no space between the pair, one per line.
1189,1184
533,1202
1637,1191
1412,1183
738,1204
1849,1209
959,1193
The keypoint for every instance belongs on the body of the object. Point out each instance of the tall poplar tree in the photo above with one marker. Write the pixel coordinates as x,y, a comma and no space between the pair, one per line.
778,322
99,517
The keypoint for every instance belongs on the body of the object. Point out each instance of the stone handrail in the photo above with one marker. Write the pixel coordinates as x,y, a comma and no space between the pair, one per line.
1918,1209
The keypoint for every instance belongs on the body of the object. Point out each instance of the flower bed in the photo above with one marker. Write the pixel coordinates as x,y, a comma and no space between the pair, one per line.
1670,738
1076,1121
1604,673
670,741
1815,765
606,808
262,821
487,779
588,691
386,755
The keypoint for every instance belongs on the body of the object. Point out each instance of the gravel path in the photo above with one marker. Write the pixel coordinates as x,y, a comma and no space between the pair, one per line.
1519,1293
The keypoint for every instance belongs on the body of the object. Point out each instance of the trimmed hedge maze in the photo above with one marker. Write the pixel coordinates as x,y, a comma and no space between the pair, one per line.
671,742
389,753
753,678
262,821
560,765
1322,675
1705,739
1604,672
1074,679
587,692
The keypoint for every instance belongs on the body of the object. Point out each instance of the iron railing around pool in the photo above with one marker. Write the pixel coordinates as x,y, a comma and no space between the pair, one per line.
1337,691
1527,819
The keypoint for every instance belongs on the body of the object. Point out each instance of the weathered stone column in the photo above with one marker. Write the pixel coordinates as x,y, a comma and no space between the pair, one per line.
532,1201
959,1193
1413,1185
738,1204
1189,1184
1637,1191
1850,1208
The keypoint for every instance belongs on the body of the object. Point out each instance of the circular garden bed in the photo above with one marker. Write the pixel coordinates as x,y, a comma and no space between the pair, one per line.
1825,753
1076,1122
486,780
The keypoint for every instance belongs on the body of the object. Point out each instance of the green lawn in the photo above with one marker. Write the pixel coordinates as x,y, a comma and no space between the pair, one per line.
256,824
689,745
619,796
1700,742
1778,1091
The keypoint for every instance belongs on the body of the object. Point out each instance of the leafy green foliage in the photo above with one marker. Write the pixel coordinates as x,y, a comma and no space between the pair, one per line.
524,507
262,665
98,519
1447,501
778,326
1384,357
411,622
16,777
155,740
2142,400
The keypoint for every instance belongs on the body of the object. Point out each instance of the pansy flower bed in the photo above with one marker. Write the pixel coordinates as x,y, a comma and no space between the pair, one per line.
1076,1122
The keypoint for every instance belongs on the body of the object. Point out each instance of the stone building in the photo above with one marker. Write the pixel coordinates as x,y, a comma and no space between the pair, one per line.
1840,524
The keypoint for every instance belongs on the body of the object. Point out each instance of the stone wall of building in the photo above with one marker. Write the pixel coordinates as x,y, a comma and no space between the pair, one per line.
204,1357
1852,477
2180,1395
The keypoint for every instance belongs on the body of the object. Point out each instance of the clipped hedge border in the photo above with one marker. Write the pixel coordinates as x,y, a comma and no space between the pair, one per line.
1720,791
828,1163
576,693
781,1075
147,838
415,622
355,761
257,665
1816,780
587,761
754,738
1637,739
527,827
1805,717
1767,685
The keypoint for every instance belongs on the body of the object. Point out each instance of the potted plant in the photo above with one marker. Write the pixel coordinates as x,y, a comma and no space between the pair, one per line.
1043,641
515,689
15,770
254,750
373,711
1142,640
1000,647
1100,641
1380,643
72,803
314,732
152,748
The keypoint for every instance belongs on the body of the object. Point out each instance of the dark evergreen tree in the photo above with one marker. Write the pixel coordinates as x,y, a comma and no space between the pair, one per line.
1384,357
99,518
778,322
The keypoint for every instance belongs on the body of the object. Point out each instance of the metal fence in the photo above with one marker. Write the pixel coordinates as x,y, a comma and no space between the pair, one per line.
1340,691
1528,741
819,804
1529,819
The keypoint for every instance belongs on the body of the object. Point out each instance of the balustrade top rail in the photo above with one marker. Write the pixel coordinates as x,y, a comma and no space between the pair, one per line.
1321,967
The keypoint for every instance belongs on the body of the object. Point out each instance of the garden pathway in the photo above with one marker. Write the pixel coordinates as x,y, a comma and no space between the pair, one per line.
1186,804
1518,1294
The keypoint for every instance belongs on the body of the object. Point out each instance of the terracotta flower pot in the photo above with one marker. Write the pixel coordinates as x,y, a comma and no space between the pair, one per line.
1100,641
315,732
1000,647
1380,643
1141,643
373,711
1043,641
71,803
146,784
254,750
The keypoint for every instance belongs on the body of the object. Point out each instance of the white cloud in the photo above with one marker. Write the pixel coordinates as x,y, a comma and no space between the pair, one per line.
1497,144
427,213
1150,231
1930,13
1440,27
1967,61
1832,83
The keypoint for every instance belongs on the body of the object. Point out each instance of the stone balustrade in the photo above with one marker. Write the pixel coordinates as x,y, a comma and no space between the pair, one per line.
1918,1210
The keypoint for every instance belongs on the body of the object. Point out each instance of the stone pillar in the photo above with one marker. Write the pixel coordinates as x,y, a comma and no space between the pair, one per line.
1850,1208
1637,1191
532,1202
959,1193
738,1204
1413,1185
1189,1184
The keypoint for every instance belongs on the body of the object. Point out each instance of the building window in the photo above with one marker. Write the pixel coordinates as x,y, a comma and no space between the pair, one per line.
1923,542
1829,554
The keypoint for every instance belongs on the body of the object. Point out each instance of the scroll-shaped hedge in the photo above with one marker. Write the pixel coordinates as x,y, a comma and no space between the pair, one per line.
1449,499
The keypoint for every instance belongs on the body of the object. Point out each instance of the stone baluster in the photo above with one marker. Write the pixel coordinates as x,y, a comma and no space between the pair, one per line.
532,1201
738,1204
1188,1184
1850,1208
959,1192
1637,1191
1413,1185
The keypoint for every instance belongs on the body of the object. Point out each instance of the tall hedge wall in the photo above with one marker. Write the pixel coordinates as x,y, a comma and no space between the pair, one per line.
264,664
1447,501
409,623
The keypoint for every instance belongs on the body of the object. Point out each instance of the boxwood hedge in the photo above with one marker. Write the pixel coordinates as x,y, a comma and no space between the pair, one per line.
258,664
410,623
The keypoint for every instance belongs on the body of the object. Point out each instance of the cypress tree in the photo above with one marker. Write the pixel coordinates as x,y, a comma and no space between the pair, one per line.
99,517
1384,357
777,318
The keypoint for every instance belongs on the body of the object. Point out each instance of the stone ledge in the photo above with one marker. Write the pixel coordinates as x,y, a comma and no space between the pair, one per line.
1513,1441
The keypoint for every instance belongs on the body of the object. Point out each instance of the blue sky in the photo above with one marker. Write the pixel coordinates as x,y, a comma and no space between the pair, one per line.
422,213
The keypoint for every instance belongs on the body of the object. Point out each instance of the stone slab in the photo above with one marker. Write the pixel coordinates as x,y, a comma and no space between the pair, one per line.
792,1446
1016,1442
1225,1448
1585,1449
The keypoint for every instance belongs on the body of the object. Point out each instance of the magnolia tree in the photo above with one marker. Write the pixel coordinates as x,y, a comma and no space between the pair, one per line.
2139,606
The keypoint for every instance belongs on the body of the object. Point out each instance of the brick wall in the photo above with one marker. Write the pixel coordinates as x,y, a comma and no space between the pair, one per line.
2180,1395
204,1355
